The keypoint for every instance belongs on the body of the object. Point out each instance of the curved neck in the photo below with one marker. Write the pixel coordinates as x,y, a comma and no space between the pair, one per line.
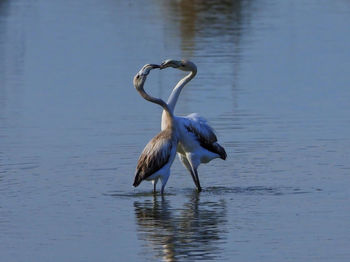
169,117
172,100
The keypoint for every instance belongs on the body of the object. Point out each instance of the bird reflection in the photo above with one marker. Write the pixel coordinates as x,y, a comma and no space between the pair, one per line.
210,31
201,21
190,232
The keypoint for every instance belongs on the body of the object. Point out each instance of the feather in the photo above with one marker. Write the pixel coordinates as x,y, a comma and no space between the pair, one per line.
204,134
200,128
155,155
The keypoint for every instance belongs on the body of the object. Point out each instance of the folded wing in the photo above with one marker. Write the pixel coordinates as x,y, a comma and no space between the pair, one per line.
204,134
155,155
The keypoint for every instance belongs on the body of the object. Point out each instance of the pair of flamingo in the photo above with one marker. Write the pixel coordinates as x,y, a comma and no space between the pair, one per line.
190,136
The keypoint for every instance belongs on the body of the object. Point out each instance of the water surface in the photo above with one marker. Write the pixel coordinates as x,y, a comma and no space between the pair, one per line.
272,80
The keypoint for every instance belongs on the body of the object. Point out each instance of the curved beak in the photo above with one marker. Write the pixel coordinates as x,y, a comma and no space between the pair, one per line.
154,66
169,63
147,68
163,65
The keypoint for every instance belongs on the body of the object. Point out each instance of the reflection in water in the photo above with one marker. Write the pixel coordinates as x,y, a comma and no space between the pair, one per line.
12,44
210,32
192,232
3,13
206,20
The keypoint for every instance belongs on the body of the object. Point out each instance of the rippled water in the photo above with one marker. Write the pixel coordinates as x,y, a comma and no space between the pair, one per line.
273,81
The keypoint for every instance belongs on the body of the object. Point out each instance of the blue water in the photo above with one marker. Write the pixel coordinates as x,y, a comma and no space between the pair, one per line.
272,80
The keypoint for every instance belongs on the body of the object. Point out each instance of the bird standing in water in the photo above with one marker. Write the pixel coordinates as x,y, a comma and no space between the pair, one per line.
197,140
158,155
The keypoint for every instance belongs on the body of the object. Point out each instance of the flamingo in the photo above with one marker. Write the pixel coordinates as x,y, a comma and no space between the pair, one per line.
197,139
157,157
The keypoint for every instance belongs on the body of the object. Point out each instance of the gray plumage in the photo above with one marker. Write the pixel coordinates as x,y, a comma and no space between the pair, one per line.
158,155
155,155
198,142
204,134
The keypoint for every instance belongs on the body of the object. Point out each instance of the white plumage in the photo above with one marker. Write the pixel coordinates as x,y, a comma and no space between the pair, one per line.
190,136
197,140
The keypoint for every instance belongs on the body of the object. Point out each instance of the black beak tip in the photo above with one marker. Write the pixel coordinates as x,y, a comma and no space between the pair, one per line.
155,66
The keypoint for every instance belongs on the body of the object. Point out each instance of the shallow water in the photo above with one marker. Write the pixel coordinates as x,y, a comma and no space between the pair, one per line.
272,80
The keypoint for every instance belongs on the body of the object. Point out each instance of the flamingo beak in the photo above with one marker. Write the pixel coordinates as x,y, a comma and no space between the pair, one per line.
154,66
163,65
147,68
169,63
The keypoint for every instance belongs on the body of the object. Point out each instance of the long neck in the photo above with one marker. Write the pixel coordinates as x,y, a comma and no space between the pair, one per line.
168,114
172,100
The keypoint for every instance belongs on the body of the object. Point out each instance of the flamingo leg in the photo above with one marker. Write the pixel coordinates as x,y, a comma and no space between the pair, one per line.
164,180
154,185
193,169
194,179
199,188
188,166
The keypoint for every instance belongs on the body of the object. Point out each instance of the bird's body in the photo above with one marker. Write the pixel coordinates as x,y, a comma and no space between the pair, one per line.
197,140
157,157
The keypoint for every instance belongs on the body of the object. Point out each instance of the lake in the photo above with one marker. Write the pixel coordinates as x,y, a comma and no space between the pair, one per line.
273,80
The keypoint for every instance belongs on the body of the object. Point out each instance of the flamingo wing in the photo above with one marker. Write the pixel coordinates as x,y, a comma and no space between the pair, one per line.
200,128
204,134
154,156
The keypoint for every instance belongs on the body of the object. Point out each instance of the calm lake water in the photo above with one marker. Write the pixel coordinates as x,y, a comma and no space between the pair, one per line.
273,80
